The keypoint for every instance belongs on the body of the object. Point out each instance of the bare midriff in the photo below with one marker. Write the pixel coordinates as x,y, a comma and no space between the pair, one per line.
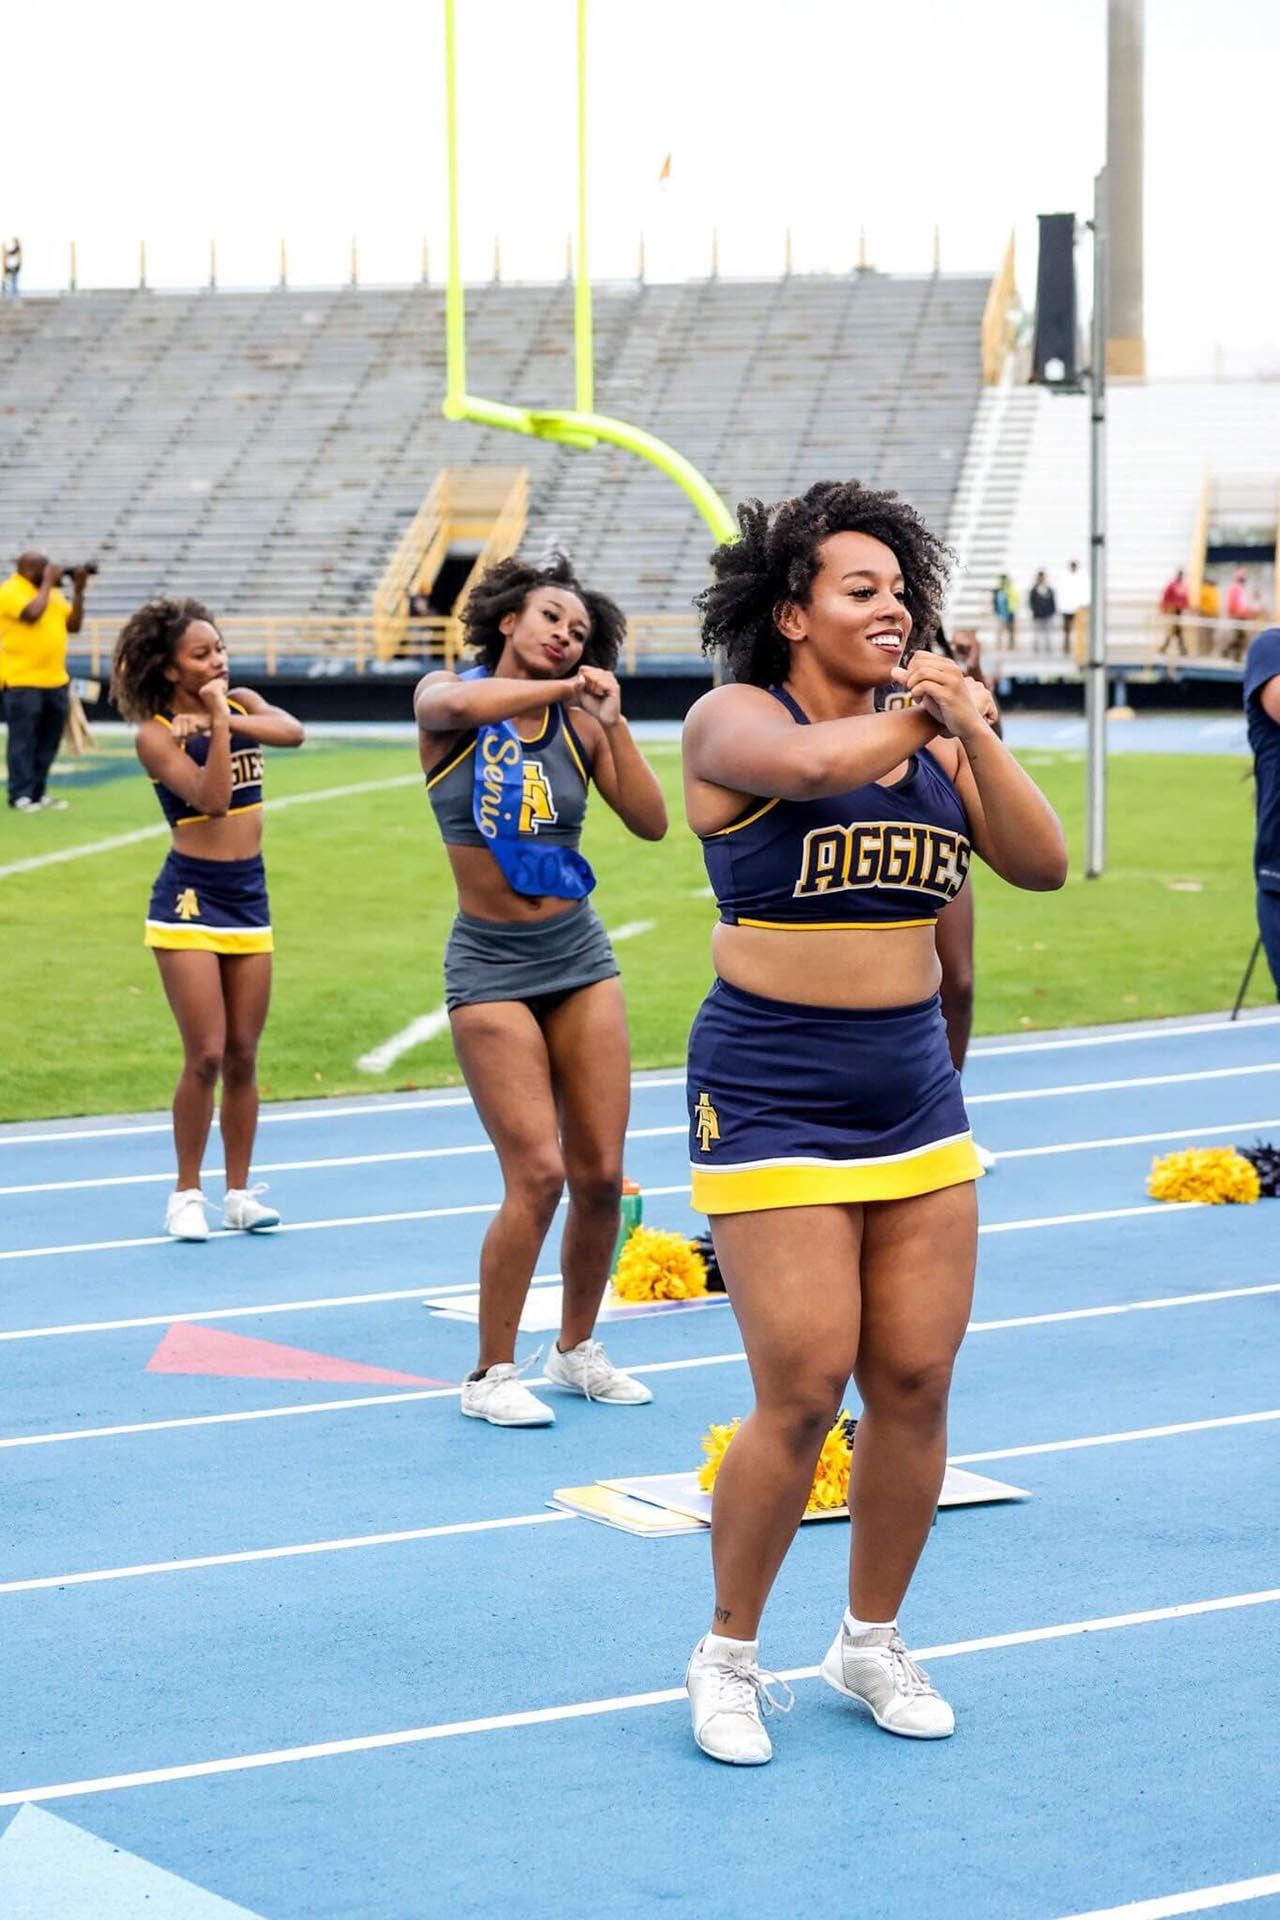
830,967
485,895
235,836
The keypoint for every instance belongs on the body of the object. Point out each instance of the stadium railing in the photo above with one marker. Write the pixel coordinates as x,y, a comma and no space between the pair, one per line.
318,644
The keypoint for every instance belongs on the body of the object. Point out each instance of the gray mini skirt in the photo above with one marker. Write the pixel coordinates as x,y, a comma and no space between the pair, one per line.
538,962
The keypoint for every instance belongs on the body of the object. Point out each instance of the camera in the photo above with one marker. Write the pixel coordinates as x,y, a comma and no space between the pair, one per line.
90,566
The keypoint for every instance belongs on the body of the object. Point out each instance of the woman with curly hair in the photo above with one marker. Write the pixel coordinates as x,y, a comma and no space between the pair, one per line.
828,1136
209,922
509,749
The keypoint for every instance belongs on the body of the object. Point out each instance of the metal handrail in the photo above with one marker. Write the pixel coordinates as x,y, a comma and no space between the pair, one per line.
286,641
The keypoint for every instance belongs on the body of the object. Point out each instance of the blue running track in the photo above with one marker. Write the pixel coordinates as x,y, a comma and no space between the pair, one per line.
218,1662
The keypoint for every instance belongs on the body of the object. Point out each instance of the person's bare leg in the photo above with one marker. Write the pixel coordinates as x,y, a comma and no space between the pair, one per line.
792,1276
246,992
918,1260
504,1061
586,1038
193,987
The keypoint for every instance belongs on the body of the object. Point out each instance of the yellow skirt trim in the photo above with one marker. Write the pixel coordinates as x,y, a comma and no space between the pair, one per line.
833,926
209,939
826,1183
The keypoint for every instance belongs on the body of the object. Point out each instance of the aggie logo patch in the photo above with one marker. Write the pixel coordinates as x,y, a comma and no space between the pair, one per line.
707,1122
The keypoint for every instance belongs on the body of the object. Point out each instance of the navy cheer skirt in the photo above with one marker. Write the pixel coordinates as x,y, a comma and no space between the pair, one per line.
793,1106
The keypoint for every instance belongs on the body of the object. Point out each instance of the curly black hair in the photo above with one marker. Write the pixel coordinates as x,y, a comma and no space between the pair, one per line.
777,557
139,685
505,587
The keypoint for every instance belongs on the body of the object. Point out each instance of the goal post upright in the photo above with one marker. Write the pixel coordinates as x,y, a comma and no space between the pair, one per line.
581,426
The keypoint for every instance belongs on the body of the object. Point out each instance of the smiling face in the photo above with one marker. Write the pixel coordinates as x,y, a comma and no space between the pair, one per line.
545,640
856,624
199,656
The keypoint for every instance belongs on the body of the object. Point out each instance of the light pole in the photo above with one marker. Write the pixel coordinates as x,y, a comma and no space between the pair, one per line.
1095,681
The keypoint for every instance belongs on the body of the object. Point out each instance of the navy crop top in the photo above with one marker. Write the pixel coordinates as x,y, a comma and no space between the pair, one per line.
870,857
555,787
246,773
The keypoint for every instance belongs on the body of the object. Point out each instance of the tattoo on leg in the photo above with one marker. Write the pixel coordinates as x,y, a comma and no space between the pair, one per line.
722,1615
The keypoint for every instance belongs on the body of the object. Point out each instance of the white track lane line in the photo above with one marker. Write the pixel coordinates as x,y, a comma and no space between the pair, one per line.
692,1364
1119,1086
540,1519
1153,1209
248,1555
588,1709
1115,1439
88,847
371,1106
268,1306
202,1314
374,1106
165,1178
1232,1893
1140,1032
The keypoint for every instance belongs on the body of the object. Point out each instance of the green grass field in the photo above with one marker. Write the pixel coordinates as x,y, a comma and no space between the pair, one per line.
361,902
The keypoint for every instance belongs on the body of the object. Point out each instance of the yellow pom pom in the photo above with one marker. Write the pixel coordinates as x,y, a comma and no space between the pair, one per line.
831,1476
1215,1175
715,1444
659,1266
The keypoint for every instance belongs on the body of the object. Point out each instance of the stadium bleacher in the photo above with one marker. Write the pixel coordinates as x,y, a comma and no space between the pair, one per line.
266,449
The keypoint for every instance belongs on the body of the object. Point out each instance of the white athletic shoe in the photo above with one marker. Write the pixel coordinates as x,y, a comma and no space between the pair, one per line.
25,805
875,1669
185,1217
501,1397
728,1694
52,804
588,1370
243,1212
986,1159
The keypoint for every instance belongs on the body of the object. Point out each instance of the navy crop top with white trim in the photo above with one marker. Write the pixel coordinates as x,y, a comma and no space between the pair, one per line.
246,773
870,857
555,787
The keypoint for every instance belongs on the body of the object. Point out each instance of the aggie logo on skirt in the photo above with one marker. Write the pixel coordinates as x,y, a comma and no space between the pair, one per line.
707,1122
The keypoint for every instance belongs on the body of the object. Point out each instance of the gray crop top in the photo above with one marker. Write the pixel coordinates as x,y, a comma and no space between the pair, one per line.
556,772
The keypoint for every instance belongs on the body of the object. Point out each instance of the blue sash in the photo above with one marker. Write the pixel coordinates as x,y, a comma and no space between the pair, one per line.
497,796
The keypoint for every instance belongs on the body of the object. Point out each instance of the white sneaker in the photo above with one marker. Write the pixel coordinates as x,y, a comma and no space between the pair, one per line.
875,1669
501,1397
588,1370
986,1159
184,1217
728,1693
243,1212
25,805
51,803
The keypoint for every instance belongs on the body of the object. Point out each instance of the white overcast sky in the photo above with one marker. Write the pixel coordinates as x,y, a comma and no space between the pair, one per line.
247,122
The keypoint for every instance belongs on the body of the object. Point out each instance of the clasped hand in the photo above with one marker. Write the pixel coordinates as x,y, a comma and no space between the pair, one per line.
597,693
947,694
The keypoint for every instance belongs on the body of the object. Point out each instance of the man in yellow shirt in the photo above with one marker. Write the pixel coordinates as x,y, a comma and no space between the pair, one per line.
35,620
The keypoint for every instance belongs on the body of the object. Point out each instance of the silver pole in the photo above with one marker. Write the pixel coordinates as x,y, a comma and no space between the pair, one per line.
1095,689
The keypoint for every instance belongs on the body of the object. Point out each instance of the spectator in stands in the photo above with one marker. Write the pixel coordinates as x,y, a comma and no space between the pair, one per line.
12,266
35,619
1073,595
1004,604
1262,715
1241,606
1043,607
1173,603
1209,607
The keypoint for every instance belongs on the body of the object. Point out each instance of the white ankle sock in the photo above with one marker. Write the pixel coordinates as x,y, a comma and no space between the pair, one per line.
853,1625
718,1643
